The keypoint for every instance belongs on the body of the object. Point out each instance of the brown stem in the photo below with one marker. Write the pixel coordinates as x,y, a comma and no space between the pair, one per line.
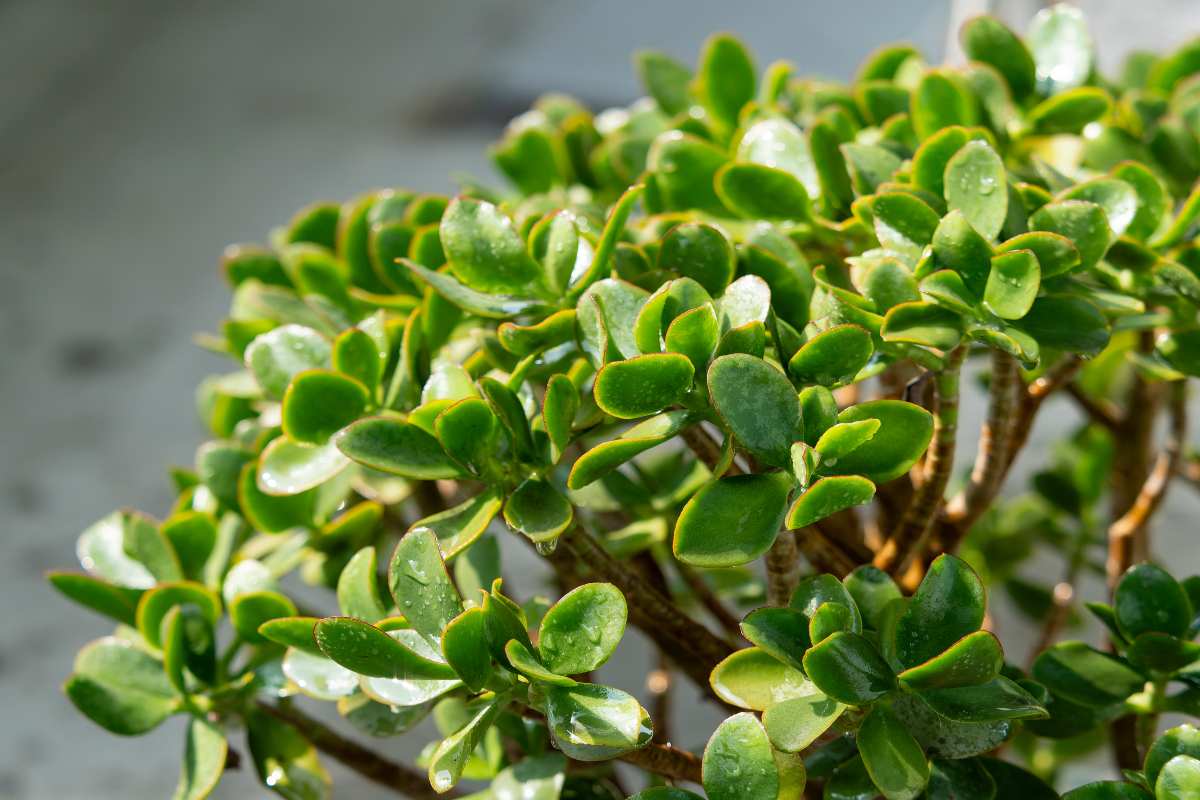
909,534
705,449
728,621
372,766
1099,411
991,457
1124,533
783,569
659,684
667,761
952,529
823,553
693,647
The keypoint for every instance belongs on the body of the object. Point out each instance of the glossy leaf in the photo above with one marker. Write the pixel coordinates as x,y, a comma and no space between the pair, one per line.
904,433
738,762
975,184
581,631
120,687
758,404
948,605
756,680
1084,675
484,250
644,385
893,758
732,520
1148,599
760,192
832,357
1012,284
826,497
595,723
419,583
396,447
848,668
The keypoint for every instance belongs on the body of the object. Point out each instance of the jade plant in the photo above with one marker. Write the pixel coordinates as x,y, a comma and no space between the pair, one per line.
703,355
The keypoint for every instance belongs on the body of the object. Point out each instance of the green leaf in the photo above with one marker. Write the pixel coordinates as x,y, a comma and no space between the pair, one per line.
816,590
319,403
948,605
1061,46
1069,112
760,192
1056,254
1180,740
607,316
796,723
833,357
250,610
673,298
467,431
193,536
522,659
120,687
1178,349
1012,284
595,723
458,527
276,356
959,247
204,753
871,165
101,551
754,679
1108,790
779,143
1153,201
989,41
265,512
976,184
450,756
485,251
367,650
1084,675
844,438
1117,198
694,334
644,385
1148,599
538,510
925,324
831,618
904,433
726,79
974,659
929,162
828,496
559,407
732,520
285,761
1084,223
288,468
295,632
581,631
464,645
358,587
782,632
945,738
739,763
1179,779
535,778
665,79
684,169
904,223
848,668
939,102
607,456
155,604
1182,223
396,447
1067,323
117,602
758,404
959,780
850,781
700,252
998,699
893,759
483,304
872,590
419,583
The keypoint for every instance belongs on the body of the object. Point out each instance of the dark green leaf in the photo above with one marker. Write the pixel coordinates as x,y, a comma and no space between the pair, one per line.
581,631
758,404
733,520
893,759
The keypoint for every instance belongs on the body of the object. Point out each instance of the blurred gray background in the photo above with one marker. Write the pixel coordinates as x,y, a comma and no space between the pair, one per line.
139,137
